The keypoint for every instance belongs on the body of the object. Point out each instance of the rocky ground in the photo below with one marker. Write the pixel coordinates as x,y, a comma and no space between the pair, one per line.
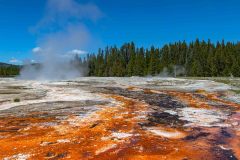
120,118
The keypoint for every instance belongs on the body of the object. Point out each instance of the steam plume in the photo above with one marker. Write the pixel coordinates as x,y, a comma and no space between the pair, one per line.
60,32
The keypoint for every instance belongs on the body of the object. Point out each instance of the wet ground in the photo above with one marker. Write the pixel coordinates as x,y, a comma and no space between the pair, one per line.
119,118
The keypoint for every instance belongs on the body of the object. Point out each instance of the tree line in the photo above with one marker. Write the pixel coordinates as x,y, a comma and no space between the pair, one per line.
9,70
198,58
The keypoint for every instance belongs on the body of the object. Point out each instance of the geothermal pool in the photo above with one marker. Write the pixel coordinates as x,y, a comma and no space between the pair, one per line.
119,118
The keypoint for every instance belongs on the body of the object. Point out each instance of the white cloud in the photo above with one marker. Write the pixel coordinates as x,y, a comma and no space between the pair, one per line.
33,61
36,50
77,51
15,61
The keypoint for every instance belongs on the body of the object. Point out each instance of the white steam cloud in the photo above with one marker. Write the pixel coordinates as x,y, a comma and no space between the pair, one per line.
61,34
77,52
36,50
15,61
173,71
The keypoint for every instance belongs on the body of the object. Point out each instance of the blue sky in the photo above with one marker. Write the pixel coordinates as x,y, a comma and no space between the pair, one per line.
146,22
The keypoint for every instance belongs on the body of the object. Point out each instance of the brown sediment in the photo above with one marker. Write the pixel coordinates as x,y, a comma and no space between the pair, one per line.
235,141
193,101
235,144
189,99
214,96
131,88
148,91
110,133
185,97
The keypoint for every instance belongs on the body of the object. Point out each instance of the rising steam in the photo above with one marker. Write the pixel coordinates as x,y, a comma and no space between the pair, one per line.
61,34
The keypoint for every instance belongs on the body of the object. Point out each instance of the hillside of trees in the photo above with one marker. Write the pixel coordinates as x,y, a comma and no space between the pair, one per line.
7,70
198,58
